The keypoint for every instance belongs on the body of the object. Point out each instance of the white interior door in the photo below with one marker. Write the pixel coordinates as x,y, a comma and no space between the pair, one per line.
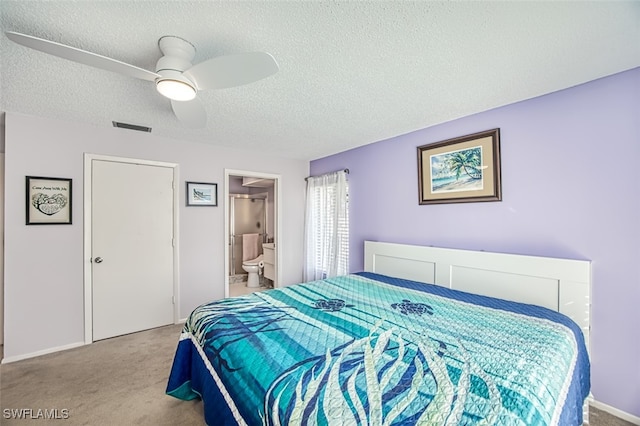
131,247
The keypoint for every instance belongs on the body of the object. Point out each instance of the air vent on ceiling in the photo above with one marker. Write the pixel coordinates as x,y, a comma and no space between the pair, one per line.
131,126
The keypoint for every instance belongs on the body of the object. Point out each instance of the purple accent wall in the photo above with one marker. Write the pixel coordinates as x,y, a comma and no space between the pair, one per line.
571,188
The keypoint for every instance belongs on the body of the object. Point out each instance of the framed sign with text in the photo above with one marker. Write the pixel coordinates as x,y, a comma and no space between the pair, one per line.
48,201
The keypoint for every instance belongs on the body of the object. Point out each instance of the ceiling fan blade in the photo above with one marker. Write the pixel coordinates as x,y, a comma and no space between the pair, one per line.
232,70
190,113
81,56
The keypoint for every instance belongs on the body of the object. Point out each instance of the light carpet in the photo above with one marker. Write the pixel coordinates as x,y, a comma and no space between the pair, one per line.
119,381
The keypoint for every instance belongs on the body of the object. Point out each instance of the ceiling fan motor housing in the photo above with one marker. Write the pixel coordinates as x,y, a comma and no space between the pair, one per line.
178,54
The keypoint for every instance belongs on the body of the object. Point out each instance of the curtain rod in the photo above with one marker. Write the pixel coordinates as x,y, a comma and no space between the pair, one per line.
345,170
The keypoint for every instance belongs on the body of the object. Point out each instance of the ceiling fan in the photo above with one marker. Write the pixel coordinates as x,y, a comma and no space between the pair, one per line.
175,76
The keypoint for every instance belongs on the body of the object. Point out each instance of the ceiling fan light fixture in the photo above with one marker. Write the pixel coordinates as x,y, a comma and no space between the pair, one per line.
177,90
175,77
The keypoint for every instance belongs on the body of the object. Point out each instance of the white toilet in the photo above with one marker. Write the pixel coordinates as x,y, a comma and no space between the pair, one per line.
253,267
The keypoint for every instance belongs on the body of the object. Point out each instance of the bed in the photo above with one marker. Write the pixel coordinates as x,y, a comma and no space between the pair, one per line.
419,337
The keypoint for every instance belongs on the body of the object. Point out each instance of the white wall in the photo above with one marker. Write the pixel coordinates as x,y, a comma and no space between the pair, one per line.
44,264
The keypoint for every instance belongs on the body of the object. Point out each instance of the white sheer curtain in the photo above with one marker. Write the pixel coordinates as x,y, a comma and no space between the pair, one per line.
326,237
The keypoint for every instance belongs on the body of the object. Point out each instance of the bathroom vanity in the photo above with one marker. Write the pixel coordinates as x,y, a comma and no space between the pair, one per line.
269,258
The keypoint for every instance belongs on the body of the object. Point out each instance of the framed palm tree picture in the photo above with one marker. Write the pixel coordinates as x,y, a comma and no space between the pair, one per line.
460,170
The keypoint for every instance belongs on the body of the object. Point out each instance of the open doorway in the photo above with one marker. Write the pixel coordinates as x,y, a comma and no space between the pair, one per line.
252,240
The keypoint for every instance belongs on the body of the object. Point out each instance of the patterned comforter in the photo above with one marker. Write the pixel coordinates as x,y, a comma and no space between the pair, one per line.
367,349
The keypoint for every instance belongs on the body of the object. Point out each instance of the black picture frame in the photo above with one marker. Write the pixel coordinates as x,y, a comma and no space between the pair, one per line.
48,200
201,194
465,169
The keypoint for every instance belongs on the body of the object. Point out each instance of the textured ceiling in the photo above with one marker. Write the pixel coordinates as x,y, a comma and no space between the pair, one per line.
351,73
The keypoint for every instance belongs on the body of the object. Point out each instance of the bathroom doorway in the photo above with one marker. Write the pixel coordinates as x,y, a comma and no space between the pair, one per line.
251,231
248,230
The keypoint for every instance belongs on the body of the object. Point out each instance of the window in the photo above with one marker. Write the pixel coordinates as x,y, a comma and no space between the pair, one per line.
327,226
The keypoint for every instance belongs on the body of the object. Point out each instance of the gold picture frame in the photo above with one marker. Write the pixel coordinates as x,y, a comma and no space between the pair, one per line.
465,169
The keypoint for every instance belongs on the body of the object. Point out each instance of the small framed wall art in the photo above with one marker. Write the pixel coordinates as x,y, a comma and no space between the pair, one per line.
48,200
202,194
460,170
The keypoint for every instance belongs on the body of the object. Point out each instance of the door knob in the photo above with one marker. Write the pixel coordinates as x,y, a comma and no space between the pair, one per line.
98,260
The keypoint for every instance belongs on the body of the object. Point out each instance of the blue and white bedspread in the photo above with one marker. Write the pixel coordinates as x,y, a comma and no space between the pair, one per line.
367,349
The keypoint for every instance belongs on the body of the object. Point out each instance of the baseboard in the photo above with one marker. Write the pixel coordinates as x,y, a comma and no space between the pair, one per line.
56,349
42,352
618,413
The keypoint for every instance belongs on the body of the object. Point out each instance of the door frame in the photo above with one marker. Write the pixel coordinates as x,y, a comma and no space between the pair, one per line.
88,282
277,203
2,201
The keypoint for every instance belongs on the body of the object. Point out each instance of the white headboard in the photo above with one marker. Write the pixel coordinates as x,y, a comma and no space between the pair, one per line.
563,285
